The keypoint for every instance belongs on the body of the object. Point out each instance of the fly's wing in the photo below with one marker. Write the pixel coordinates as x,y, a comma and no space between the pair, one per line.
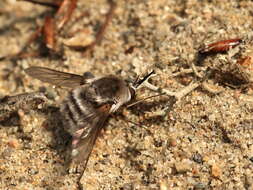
56,77
82,146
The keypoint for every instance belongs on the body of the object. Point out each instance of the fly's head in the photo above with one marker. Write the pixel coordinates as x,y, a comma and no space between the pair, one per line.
118,90
137,83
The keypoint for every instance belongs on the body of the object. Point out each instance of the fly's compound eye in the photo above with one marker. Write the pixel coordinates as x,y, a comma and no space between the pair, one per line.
88,75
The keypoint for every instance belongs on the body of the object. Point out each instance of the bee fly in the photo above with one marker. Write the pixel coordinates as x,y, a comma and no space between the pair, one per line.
88,104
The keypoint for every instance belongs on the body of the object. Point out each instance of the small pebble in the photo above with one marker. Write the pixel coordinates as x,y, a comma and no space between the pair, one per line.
182,167
13,143
216,170
199,186
164,185
172,141
197,158
7,153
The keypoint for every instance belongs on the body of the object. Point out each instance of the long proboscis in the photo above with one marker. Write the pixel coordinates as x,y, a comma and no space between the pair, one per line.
139,101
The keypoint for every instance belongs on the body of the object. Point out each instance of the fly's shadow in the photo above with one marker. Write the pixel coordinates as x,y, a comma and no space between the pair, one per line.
157,110
54,124
10,107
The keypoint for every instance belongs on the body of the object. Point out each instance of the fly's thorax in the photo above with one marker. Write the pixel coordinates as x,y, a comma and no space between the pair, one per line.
111,89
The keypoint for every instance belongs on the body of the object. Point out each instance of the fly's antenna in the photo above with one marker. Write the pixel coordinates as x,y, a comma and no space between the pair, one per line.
138,81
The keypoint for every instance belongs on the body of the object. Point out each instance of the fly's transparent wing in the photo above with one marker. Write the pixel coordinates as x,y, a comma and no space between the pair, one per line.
56,77
82,147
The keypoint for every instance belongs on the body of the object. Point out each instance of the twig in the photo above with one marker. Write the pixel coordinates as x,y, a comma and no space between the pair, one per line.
49,32
195,71
100,33
64,12
211,88
178,95
50,3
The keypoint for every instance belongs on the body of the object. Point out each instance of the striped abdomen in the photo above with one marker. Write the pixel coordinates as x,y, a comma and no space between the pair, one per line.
76,109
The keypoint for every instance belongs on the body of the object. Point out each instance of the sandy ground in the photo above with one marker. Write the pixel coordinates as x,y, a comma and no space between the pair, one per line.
204,141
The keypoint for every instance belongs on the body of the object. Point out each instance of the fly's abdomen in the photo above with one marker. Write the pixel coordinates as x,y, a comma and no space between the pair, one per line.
75,109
